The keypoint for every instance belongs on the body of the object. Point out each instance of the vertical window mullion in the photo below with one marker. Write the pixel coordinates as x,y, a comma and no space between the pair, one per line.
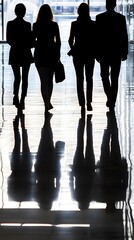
2,18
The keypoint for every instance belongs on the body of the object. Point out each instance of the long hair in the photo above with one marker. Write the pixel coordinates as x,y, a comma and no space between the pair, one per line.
45,13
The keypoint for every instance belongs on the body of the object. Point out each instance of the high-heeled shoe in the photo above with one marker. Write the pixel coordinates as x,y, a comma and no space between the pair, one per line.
16,101
22,105
50,106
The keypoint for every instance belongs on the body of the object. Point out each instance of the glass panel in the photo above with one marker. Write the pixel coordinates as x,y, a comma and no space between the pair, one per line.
0,20
96,7
62,9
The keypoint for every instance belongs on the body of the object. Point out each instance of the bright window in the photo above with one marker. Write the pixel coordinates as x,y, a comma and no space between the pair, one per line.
66,9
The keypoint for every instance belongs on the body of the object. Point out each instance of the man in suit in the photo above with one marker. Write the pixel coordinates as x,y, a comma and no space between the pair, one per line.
112,48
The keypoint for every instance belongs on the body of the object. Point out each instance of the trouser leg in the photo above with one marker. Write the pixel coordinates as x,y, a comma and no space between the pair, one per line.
79,69
46,78
115,70
25,71
17,79
89,68
105,68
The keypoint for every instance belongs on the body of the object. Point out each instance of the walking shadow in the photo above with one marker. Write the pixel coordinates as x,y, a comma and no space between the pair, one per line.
21,179
83,169
112,173
47,167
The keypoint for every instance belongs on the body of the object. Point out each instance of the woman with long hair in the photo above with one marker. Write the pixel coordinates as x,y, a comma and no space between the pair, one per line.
47,51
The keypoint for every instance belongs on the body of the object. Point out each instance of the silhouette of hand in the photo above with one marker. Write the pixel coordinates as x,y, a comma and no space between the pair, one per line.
124,58
97,59
69,53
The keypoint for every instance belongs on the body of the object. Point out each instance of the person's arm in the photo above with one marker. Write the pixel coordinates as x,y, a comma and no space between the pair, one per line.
71,39
9,35
34,34
124,40
31,41
97,36
58,40
72,36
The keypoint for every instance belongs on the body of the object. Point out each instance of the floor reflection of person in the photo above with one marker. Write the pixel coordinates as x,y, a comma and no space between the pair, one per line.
47,167
83,169
112,173
21,179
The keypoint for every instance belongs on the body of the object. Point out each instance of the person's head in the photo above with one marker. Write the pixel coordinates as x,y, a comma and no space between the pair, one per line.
110,4
83,10
20,10
45,13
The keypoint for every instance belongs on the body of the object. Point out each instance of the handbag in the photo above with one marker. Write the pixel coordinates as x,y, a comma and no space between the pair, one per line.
59,72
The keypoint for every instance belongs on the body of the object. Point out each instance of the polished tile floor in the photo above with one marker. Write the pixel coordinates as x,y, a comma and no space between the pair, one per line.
65,176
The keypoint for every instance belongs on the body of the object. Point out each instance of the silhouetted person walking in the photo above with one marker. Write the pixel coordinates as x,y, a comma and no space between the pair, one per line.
47,51
82,44
112,48
19,37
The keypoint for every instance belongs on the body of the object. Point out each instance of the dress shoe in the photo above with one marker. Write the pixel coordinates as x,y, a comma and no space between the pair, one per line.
110,105
107,103
111,108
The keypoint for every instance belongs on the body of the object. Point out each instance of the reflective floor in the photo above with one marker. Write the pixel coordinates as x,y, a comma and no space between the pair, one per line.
66,176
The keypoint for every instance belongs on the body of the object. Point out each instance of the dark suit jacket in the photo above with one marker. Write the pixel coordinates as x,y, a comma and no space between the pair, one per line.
47,43
82,38
112,39
19,37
